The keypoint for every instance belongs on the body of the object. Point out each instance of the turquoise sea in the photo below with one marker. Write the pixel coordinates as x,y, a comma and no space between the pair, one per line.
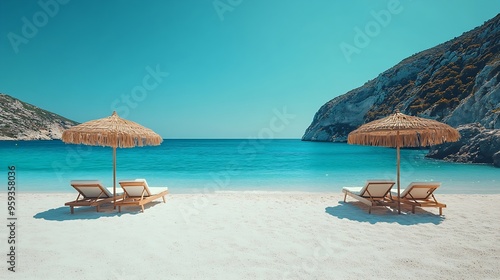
200,166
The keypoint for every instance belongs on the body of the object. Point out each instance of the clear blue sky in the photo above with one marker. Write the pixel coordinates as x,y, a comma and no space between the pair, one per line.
213,69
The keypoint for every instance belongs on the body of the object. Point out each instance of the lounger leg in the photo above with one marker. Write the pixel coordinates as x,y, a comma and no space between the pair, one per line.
142,206
370,210
345,196
413,209
72,209
440,211
97,208
163,199
120,209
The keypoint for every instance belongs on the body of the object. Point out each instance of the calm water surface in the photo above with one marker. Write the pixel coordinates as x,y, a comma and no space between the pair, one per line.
187,166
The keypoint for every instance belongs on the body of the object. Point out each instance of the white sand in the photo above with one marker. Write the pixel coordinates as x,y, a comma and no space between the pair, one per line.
254,236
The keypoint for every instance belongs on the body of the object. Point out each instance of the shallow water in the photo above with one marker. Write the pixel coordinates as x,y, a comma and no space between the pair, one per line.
187,166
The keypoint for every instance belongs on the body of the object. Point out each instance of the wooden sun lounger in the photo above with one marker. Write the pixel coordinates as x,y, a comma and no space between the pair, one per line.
137,192
421,194
90,193
374,193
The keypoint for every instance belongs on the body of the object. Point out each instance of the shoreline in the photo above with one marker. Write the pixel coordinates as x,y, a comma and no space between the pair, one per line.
447,188
248,235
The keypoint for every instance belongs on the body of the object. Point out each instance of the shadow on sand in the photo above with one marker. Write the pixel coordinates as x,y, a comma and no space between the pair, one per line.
356,211
89,213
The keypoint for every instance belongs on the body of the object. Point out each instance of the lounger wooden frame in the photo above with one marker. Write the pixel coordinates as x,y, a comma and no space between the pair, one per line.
83,199
380,197
145,197
426,200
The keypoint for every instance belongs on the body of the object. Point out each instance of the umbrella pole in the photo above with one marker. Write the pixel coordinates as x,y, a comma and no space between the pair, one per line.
398,167
114,177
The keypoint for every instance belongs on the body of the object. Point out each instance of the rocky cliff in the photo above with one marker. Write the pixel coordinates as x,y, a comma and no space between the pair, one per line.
23,121
456,82
477,144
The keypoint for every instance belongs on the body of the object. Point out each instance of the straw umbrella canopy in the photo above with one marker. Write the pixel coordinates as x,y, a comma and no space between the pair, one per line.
114,132
400,130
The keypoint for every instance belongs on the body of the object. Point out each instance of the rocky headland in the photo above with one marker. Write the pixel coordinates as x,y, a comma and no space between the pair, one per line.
457,82
23,121
477,144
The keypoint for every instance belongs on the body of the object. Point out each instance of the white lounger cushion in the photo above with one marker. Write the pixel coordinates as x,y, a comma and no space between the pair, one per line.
417,193
91,188
134,190
377,188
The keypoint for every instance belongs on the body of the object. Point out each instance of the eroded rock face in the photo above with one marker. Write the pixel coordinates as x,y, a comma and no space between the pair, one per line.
483,105
334,124
457,82
476,145
23,121
496,159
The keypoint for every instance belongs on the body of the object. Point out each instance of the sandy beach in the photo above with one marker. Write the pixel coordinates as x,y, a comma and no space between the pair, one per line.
254,235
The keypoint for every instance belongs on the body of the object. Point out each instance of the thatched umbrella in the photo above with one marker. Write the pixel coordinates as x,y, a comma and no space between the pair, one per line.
113,132
400,130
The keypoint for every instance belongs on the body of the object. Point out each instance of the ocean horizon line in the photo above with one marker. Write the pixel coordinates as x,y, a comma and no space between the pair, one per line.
237,138
239,164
